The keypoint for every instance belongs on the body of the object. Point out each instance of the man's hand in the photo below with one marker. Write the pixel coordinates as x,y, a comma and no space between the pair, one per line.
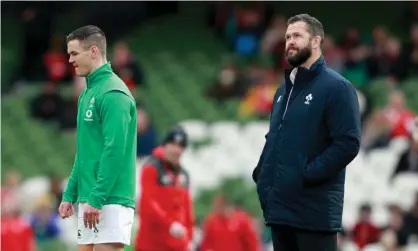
91,216
66,209
177,230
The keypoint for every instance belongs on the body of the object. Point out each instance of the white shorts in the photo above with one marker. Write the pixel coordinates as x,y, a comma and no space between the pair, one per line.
115,226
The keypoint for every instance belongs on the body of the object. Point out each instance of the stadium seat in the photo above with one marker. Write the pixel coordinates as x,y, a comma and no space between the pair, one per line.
412,247
349,246
405,187
398,145
380,215
349,215
196,129
382,162
32,189
223,131
374,247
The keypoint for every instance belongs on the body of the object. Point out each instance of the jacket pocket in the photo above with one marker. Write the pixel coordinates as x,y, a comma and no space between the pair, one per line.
263,194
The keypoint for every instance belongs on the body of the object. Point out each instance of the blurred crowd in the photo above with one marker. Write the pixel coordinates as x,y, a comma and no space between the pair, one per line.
51,105
256,38
29,227
402,228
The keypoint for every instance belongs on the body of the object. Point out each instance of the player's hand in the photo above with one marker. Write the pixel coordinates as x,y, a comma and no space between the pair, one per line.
91,216
177,230
66,209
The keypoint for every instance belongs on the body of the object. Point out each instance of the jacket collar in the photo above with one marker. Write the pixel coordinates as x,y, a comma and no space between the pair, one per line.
100,72
305,74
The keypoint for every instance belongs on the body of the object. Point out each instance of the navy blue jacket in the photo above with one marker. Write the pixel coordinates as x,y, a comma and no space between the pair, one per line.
314,134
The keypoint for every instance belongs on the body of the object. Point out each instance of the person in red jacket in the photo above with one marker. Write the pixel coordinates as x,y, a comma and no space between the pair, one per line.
165,206
364,232
229,228
16,233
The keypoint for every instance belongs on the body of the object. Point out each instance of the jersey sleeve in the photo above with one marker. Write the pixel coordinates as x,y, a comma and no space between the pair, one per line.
150,198
70,192
115,115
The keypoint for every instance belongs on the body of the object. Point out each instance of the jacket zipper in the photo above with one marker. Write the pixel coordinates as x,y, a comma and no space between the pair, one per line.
287,104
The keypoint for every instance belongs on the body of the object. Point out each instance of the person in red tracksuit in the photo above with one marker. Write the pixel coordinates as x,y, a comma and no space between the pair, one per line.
166,217
229,228
16,233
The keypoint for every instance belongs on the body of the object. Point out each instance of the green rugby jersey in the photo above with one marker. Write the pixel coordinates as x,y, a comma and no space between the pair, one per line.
104,169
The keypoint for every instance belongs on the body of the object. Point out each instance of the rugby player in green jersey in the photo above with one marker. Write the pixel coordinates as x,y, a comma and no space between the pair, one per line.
102,181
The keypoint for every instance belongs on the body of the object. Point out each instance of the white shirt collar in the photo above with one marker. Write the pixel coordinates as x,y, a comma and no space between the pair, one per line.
293,75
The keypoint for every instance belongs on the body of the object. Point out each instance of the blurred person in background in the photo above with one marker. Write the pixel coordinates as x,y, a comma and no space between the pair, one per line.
166,217
273,41
68,118
55,62
393,121
274,34
218,16
103,177
10,191
409,230
355,52
44,220
147,136
391,234
55,188
228,85
380,38
408,161
365,232
409,57
229,228
126,66
51,106
37,25
385,53
258,100
245,26
333,54
48,105
350,39
16,232
393,58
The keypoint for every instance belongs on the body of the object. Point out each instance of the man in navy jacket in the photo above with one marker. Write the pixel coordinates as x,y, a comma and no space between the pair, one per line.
314,134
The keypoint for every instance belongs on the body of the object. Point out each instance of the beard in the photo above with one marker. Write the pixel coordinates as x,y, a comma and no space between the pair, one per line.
300,56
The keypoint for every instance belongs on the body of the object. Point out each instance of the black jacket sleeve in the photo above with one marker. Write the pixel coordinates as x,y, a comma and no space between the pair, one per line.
343,122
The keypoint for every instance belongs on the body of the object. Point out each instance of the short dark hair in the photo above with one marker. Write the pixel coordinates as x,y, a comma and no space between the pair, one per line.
90,35
315,27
